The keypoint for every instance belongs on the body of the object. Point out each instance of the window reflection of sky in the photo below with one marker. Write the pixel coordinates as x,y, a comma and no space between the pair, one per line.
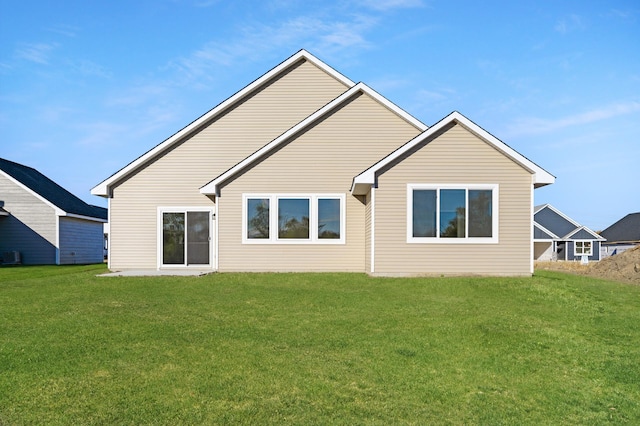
450,201
329,215
290,208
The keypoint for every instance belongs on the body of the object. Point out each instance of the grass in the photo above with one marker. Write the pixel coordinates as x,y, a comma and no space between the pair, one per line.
316,349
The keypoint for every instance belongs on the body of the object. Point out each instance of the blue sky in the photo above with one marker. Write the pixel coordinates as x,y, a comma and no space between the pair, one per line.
88,86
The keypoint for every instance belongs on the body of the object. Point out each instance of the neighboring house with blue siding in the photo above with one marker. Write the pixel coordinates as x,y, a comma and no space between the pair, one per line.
558,237
43,223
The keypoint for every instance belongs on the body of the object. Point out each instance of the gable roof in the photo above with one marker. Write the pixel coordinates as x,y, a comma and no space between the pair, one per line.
50,192
572,234
102,189
625,229
548,235
364,180
539,208
212,188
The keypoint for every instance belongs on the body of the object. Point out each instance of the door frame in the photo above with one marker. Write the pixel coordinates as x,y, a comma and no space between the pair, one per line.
212,239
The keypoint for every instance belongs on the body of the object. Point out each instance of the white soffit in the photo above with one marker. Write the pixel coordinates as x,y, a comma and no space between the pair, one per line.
102,189
364,180
212,187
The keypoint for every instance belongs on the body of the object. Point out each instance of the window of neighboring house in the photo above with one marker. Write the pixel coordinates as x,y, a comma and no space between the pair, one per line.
583,248
293,218
452,213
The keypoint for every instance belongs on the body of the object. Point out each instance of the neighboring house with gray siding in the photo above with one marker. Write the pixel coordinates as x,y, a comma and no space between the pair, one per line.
622,235
43,223
306,170
558,237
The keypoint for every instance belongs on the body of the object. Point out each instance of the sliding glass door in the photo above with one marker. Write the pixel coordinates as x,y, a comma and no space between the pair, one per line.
186,238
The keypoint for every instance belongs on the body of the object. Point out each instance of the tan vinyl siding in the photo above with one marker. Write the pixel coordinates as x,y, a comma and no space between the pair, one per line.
455,157
81,241
31,226
175,178
323,160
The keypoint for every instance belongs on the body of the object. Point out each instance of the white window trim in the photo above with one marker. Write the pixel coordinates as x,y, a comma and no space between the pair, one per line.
494,239
184,209
575,248
313,219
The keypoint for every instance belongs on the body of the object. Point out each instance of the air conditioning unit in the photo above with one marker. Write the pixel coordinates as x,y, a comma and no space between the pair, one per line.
11,258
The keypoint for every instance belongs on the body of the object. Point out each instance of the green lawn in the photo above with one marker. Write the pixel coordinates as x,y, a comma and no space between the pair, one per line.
316,349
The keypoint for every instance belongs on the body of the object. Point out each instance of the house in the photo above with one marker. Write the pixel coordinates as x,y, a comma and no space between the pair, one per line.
43,223
622,235
558,237
306,170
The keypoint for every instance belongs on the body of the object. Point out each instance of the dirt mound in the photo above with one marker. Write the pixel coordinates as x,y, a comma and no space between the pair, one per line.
623,267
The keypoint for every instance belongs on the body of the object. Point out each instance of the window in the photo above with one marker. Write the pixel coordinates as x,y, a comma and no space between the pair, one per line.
583,248
258,218
185,236
293,218
452,213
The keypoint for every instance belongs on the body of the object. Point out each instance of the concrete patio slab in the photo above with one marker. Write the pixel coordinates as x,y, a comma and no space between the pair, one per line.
155,273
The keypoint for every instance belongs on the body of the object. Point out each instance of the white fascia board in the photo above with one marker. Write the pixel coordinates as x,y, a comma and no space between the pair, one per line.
58,210
79,216
394,108
584,228
212,187
364,180
102,189
540,176
545,230
564,216
540,207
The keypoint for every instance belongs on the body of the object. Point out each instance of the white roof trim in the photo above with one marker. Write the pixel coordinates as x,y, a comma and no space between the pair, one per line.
79,216
102,189
545,230
58,210
365,179
583,228
212,187
559,213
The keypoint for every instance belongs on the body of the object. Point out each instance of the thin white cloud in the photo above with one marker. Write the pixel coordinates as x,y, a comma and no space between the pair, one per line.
257,41
86,67
627,14
206,3
385,5
65,30
36,52
569,24
534,125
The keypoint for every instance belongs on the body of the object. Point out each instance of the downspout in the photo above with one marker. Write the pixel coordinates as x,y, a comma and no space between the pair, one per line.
373,228
531,245
216,239
57,238
109,236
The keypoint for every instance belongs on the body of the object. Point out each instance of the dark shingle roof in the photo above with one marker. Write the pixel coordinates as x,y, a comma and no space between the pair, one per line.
51,191
626,229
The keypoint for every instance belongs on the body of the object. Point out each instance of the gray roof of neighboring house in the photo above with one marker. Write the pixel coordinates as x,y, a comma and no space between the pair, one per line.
51,191
626,229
